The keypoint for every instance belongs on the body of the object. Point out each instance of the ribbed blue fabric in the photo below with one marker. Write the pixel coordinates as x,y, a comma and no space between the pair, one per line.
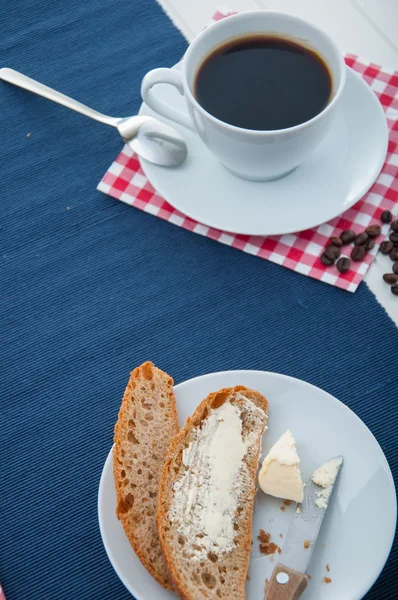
90,288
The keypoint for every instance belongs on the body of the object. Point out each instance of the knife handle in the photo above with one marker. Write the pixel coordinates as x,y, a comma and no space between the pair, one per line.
285,584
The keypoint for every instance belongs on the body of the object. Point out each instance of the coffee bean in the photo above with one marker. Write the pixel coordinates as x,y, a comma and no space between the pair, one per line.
394,237
395,268
336,241
358,253
394,225
373,231
343,264
328,258
334,249
394,253
361,238
390,278
386,216
369,244
386,247
347,236
394,290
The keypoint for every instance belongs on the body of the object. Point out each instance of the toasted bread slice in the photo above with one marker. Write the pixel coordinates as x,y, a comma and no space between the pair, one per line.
146,424
206,495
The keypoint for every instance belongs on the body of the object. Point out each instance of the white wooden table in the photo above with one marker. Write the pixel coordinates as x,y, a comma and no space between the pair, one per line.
364,27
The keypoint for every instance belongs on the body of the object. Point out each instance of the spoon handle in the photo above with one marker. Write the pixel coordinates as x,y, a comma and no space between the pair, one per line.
43,90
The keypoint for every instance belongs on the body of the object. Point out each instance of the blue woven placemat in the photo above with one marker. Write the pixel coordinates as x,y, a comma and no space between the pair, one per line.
90,288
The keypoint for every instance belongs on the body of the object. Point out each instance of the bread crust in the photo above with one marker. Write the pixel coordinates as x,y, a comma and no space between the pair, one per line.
146,424
173,460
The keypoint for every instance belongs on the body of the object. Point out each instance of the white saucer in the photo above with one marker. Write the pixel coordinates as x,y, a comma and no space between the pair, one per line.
340,172
358,529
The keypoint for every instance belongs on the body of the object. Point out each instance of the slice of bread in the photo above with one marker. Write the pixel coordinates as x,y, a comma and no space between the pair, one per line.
206,495
147,422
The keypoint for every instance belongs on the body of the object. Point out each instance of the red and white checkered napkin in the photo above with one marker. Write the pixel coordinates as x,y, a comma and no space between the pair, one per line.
126,181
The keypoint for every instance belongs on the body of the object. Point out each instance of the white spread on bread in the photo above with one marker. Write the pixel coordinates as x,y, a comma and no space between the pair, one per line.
206,496
325,476
280,473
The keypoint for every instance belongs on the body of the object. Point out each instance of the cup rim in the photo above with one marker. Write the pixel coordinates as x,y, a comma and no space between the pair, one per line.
264,132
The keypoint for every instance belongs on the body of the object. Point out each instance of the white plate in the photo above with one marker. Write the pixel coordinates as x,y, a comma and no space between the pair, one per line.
358,529
339,173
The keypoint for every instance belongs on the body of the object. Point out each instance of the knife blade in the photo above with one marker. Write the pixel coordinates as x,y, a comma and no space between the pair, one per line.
289,580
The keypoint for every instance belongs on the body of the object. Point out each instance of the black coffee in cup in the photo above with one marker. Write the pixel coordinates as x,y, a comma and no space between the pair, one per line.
263,83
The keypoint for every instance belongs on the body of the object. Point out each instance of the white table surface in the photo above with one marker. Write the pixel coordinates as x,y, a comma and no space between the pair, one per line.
364,27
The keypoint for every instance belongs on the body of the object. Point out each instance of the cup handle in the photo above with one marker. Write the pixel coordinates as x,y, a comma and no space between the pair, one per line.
165,109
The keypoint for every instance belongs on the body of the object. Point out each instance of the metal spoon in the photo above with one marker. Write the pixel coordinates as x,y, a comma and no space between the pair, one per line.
149,138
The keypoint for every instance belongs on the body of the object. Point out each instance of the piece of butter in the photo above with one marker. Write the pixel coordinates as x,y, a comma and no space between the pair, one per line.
324,477
326,474
280,474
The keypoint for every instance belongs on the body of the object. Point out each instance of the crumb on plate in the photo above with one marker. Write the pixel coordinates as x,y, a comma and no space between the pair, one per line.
266,546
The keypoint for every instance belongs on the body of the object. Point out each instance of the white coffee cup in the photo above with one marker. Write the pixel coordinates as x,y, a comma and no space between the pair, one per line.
251,154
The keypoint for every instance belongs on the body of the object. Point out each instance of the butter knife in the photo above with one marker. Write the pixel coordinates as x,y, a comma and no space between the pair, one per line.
289,578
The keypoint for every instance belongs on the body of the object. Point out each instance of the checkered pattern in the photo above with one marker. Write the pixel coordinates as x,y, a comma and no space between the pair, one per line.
126,181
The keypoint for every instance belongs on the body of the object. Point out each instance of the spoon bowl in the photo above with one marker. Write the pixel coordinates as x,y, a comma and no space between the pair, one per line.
159,143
